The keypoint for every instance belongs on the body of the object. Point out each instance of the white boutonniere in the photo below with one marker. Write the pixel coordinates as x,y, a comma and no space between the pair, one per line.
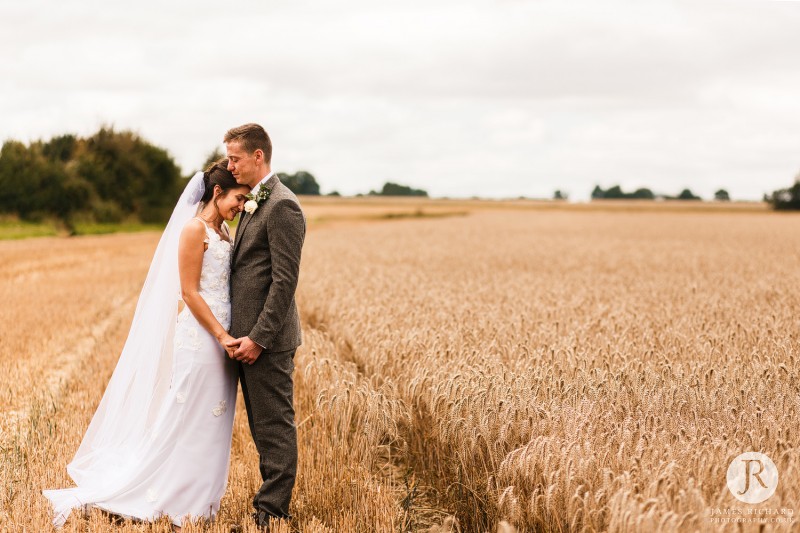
255,200
250,206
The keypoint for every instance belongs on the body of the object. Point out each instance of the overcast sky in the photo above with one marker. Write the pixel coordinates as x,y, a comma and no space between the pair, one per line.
492,98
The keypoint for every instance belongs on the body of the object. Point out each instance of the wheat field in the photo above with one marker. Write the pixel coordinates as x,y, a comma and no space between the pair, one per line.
465,367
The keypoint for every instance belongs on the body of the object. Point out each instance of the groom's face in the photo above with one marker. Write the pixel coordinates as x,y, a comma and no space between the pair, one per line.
241,164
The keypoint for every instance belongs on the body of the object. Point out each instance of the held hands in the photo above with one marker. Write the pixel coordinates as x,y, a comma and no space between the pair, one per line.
244,350
228,342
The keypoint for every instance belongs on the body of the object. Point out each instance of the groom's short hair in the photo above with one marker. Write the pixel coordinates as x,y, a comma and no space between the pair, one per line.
252,137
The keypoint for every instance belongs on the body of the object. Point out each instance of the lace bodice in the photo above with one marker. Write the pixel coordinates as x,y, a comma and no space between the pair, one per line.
215,277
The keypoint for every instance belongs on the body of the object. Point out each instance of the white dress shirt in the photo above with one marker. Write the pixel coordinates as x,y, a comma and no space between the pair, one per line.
258,185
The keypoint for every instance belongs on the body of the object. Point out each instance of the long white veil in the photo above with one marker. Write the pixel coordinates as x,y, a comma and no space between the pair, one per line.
124,425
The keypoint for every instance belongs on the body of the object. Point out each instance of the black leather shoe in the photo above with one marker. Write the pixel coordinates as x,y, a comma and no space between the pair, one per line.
262,521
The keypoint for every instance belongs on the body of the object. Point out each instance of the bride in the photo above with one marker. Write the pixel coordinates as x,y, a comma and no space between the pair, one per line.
159,442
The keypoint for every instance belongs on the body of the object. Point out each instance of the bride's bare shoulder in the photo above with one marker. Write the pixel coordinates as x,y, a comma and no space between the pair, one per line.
194,230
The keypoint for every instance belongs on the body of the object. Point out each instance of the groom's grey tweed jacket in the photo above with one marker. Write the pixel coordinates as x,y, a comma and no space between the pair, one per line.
265,265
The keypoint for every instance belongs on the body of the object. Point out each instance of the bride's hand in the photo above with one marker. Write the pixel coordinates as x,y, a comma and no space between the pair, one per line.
228,343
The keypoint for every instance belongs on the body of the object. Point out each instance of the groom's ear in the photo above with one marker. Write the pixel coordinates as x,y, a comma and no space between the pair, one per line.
258,155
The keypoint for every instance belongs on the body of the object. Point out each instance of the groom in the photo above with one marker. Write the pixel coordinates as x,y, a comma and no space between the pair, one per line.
265,263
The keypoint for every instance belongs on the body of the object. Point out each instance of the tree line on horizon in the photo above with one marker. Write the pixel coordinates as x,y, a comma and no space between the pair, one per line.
616,193
114,176
782,199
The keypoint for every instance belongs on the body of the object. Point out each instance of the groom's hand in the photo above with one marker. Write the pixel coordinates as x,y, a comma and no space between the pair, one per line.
248,351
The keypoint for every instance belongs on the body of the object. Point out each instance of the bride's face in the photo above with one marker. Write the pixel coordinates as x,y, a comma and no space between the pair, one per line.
229,203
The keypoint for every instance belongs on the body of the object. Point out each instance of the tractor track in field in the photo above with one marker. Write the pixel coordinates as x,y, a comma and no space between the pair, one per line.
67,361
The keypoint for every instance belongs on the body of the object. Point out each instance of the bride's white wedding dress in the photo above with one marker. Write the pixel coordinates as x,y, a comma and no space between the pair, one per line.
178,464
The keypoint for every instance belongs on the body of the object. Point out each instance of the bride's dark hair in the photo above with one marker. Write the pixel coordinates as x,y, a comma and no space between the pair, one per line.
218,174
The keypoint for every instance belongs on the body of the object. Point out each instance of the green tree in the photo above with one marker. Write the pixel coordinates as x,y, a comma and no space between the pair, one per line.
301,182
687,194
61,148
617,193
18,185
35,183
65,194
394,189
643,194
722,196
111,165
163,185
142,179
786,199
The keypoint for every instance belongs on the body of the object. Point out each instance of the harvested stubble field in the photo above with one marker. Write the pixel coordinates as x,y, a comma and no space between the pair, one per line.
557,369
